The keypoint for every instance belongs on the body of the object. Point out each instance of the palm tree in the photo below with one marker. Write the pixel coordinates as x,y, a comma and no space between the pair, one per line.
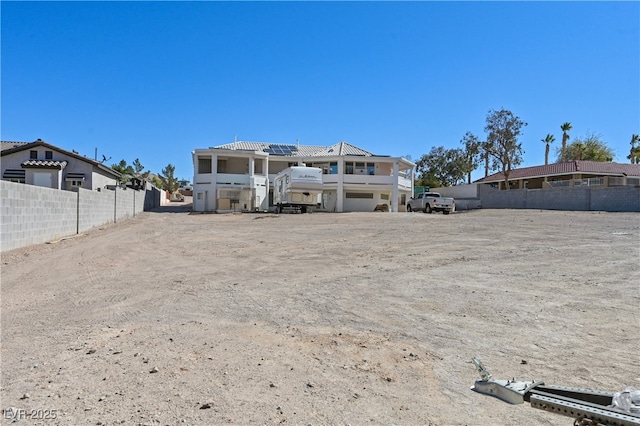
634,154
565,137
548,140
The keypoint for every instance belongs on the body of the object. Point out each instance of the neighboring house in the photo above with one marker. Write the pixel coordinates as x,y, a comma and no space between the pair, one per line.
42,164
569,174
239,176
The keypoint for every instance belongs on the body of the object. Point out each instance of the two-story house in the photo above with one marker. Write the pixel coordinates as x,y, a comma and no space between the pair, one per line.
239,176
42,164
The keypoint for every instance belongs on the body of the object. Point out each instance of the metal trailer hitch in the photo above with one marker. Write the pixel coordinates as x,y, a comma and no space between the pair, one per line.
587,407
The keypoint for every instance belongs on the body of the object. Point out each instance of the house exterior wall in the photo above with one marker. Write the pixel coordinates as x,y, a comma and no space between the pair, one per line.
247,169
97,180
94,177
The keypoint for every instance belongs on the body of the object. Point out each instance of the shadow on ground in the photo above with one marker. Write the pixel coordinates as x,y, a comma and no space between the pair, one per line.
174,208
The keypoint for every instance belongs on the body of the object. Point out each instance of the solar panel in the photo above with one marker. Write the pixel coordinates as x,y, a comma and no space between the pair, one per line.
281,149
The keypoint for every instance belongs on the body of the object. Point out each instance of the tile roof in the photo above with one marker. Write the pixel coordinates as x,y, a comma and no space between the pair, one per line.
10,144
44,164
339,149
571,167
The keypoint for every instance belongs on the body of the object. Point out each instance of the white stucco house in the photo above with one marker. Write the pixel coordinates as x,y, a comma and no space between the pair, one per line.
42,164
239,176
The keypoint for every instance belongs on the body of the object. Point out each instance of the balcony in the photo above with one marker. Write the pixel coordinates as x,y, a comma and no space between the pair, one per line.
232,179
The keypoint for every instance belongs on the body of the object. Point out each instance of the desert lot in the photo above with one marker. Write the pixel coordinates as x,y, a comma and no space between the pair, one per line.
174,318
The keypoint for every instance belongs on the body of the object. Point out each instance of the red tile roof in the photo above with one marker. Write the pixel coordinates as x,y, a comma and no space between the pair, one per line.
584,167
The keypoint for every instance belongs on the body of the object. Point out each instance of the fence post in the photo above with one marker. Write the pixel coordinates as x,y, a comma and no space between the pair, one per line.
115,204
78,211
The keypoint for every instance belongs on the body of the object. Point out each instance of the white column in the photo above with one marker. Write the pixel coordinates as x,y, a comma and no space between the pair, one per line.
413,181
265,172
213,192
340,188
394,191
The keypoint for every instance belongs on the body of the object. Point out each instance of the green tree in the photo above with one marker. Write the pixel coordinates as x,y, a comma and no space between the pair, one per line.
503,129
565,137
446,166
169,182
125,170
138,170
429,180
548,140
634,153
589,148
472,153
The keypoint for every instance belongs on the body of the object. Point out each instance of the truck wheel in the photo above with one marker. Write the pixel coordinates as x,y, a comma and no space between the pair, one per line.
446,212
409,208
279,208
303,209
427,209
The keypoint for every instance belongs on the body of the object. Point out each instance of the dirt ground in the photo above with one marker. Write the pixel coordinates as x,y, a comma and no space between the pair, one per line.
174,318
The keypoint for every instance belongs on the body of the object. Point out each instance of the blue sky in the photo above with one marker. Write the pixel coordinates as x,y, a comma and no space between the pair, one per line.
156,80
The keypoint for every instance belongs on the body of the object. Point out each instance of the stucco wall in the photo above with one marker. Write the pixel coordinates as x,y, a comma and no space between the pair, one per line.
94,177
458,191
33,214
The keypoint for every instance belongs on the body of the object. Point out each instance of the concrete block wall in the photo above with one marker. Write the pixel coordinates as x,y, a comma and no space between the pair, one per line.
621,199
34,215
124,203
95,208
617,199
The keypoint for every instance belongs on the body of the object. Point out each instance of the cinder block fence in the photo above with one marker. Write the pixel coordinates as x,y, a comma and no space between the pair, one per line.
34,214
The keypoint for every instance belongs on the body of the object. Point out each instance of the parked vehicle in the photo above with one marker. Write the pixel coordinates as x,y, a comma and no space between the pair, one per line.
430,202
298,187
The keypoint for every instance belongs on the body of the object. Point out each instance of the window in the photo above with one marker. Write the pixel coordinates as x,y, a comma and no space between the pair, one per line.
348,168
204,165
48,155
368,195
222,166
384,196
333,168
33,155
76,183
360,168
371,169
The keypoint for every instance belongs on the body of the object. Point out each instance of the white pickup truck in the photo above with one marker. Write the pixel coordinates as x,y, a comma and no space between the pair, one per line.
430,202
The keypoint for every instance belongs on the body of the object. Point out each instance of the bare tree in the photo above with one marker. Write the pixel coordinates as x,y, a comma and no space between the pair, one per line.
472,155
503,129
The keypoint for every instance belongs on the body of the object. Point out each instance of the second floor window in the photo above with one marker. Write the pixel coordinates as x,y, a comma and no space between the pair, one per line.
48,155
33,155
204,165
348,168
